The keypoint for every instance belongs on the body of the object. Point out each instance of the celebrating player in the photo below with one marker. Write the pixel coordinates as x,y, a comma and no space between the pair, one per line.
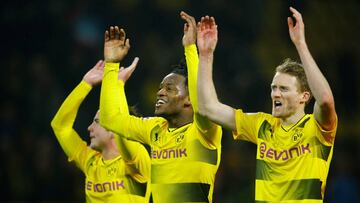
185,147
116,170
294,149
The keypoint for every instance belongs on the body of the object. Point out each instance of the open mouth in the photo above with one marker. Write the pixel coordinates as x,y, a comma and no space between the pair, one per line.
277,104
159,102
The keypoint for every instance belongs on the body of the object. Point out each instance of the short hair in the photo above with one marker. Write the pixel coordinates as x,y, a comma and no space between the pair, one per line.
295,69
134,111
181,69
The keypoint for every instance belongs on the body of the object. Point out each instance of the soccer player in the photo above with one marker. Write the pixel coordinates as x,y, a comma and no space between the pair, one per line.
185,147
294,149
116,170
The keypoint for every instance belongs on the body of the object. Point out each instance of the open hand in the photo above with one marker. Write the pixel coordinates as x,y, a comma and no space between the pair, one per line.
125,73
207,35
189,29
95,74
296,29
116,46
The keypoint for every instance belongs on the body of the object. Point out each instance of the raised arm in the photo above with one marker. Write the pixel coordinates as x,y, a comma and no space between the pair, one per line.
62,123
192,62
324,108
208,103
113,104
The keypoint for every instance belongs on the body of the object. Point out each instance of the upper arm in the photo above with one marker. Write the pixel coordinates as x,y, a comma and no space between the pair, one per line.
221,114
325,115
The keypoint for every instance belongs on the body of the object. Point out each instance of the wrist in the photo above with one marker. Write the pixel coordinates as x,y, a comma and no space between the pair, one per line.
300,44
87,82
206,54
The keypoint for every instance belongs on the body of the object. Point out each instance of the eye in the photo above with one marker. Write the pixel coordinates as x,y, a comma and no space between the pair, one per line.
284,89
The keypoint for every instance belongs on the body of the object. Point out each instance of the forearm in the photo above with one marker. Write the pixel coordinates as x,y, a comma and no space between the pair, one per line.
208,102
62,123
65,116
324,108
192,63
109,95
317,82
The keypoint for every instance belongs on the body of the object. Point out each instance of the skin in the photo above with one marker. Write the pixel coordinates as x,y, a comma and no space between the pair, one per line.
178,110
173,101
283,88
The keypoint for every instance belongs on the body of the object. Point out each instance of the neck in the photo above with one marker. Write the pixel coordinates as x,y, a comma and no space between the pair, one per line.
110,152
293,118
180,120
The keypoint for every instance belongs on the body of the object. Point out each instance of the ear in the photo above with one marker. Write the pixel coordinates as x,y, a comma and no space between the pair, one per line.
187,102
305,97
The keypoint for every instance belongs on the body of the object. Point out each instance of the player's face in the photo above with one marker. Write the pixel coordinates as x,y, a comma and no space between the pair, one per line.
286,98
99,136
172,96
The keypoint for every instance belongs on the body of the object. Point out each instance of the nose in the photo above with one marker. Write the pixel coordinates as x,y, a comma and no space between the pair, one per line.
90,127
161,92
275,93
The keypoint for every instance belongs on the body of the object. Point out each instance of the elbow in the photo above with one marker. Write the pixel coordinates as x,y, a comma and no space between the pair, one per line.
326,101
54,124
205,109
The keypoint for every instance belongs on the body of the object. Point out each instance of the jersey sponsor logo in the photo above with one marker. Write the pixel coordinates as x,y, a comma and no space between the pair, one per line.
285,154
106,186
168,153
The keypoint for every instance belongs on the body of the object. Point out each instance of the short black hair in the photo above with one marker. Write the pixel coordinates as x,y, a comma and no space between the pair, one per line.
134,111
181,69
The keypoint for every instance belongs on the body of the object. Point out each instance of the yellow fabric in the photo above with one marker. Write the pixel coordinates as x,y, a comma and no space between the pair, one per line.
106,181
185,160
292,162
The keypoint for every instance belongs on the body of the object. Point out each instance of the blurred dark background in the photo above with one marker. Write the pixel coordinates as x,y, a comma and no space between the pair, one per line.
47,47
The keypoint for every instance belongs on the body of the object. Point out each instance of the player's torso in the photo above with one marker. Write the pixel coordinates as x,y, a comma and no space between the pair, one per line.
110,182
181,164
291,161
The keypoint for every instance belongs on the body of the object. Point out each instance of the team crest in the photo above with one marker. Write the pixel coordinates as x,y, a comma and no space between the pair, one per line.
179,138
111,171
297,135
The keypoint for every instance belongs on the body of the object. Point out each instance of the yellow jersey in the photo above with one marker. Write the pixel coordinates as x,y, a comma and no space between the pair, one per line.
292,162
184,160
113,180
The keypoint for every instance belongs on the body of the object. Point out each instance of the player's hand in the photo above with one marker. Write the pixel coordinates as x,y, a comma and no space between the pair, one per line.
189,29
125,73
116,46
207,35
95,74
296,29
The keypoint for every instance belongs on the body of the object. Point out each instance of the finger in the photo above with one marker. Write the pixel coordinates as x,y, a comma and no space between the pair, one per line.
207,22
133,66
188,18
98,64
117,33
102,65
135,62
198,27
186,27
202,23
296,14
293,10
106,36
112,32
122,68
127,43
290,22
122,34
